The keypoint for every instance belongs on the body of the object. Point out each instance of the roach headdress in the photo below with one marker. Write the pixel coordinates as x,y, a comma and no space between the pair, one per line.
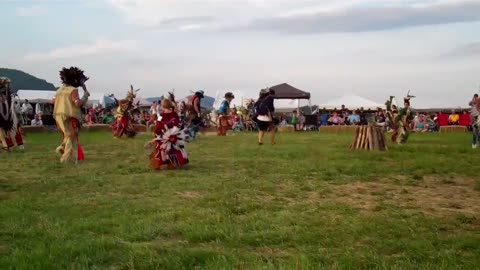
72,76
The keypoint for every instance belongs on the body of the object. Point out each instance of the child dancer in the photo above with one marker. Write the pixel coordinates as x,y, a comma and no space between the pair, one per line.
169,140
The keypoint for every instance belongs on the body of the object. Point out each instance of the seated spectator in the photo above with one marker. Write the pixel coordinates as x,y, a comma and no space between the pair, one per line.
431,125
301,121
345,116
37,121
353,119
363,117
294,120
420,125
109,118
334,120
380,118
453,118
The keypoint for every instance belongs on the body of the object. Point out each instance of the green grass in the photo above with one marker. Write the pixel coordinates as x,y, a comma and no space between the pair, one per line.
306,203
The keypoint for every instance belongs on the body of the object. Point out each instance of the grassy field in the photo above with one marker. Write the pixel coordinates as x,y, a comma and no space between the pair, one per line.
306,203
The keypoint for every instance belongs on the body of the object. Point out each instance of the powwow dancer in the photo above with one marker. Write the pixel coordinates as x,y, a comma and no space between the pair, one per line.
18,133
171,98
194,112
67,112
224,114
169,142
264,113
8,117
123,123
475,116
400,119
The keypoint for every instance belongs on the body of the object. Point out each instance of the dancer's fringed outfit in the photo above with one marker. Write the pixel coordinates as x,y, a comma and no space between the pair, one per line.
67,112
123,123
400,120
9,120
169,141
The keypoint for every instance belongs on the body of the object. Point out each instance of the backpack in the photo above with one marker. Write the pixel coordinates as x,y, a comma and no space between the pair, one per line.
261,108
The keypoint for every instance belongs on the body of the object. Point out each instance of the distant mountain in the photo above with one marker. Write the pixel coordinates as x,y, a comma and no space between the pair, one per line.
25,81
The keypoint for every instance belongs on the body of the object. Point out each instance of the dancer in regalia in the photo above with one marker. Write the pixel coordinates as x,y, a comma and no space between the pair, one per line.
224,114
475,116
10,118
194,112
124,116
169,142
67,111
400,119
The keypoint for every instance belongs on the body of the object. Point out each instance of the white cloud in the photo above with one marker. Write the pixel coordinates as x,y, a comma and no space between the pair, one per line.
219,14
31,11
191,27
80,50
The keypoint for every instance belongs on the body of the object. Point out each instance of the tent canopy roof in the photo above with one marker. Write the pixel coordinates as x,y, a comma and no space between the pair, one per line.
286,91
36,96
142,102
351,102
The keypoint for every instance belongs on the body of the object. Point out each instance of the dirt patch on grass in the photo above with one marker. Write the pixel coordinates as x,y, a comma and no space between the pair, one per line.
431,196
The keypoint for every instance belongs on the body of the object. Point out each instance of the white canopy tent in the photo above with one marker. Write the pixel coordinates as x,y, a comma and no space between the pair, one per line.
100,99
142,102
286,105
351,102
36,96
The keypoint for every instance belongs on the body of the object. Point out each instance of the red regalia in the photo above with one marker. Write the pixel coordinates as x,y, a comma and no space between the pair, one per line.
169,143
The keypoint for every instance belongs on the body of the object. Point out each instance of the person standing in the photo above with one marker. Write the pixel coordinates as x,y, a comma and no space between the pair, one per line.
224,114
27,111
264,110
194,112
475,116
67,111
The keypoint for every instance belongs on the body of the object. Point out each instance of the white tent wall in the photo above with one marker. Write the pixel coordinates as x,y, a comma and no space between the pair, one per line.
286,105
36,96
351,102
142,102
99,98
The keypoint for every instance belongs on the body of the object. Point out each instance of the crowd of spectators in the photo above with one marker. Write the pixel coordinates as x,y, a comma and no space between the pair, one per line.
423,121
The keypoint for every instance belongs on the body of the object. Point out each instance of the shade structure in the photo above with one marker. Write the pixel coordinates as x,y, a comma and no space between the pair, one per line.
142,102
351,102
286,91
286,105
100,99
36,96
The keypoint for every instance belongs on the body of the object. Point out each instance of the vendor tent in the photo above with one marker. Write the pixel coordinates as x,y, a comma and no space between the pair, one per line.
100,99
351,102
36,96
287,97
286,105
142,102
286,91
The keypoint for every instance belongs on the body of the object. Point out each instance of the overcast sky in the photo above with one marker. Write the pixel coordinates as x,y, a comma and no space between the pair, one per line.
328,47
